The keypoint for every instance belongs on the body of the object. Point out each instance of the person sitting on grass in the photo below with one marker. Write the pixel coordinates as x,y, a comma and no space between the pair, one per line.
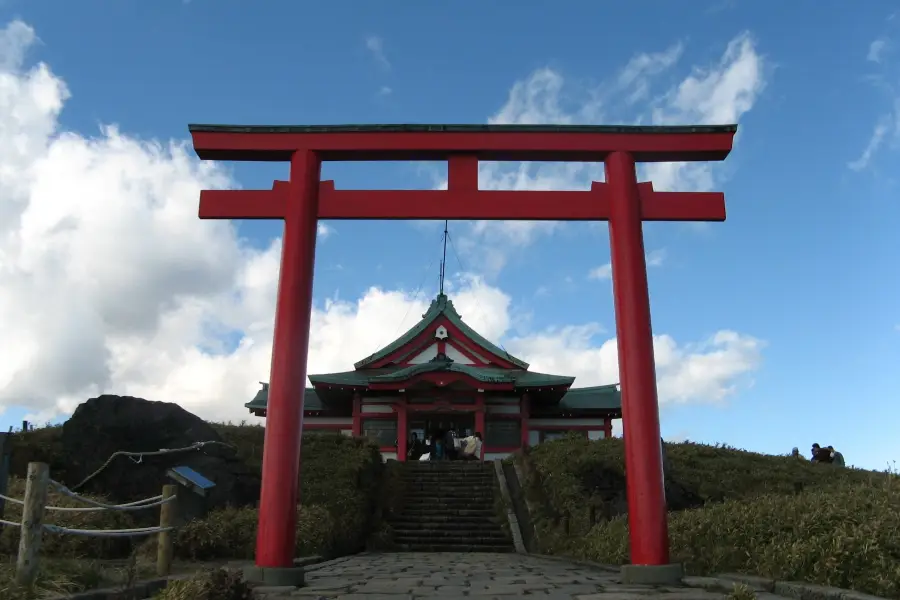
472,447
836,457
820,454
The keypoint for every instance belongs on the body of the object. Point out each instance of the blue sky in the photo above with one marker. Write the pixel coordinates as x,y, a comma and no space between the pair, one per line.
803,265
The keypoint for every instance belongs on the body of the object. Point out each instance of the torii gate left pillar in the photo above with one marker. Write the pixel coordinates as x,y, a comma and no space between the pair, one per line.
621,200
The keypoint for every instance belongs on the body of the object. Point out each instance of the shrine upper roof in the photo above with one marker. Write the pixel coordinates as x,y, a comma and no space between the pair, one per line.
519,378
441,350
441,306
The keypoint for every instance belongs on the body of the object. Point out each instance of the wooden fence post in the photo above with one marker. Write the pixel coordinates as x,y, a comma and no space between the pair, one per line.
36,486
165,540
4,468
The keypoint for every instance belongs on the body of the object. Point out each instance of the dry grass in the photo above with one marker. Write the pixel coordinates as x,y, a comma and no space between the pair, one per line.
67,576
210,584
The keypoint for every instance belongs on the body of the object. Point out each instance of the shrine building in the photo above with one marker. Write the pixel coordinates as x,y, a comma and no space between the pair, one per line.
442,374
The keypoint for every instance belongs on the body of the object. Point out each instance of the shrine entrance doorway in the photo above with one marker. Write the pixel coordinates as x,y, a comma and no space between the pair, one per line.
425,425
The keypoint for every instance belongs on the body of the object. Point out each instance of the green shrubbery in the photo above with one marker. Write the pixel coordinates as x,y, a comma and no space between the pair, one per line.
774,516
339,487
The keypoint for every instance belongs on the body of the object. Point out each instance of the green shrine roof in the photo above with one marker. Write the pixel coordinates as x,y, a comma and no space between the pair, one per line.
550,390
518,377
440,306
600,397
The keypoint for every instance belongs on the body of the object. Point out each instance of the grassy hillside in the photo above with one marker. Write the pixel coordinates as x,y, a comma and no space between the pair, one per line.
776,516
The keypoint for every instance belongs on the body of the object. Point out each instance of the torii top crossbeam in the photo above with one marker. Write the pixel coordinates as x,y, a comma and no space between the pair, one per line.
570,143
463,146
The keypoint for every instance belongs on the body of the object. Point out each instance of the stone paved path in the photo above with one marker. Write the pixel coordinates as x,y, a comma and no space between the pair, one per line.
506,576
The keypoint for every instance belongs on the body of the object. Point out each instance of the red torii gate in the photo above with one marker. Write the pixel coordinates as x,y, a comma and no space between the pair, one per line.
305,199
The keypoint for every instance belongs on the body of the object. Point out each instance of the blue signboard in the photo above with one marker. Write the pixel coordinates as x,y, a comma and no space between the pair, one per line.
188,477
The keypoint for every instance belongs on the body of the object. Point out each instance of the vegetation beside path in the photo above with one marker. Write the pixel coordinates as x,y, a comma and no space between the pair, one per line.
777,516
339,482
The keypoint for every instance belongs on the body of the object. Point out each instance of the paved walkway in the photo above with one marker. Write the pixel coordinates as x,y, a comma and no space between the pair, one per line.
441,575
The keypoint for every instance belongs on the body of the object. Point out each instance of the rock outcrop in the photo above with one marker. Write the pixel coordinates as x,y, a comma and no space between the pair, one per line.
108,424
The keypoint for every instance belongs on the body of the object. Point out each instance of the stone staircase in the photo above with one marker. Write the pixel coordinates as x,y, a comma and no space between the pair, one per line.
449,507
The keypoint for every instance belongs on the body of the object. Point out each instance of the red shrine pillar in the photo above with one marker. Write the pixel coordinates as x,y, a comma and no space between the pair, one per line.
637,372
524,418
275,538
357,414
479,420
402,428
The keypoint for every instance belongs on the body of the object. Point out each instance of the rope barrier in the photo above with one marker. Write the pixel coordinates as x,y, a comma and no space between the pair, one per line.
140,456
107,532
96,532
33,507
136,505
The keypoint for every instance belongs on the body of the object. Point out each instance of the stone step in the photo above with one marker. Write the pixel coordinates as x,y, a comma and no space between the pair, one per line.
449,490
456,477
441,521
454,473
425,538
448,467
414,525
458,548
457,498
445,534
430,511
456,503
423,496
450,493
447,507
455,481
452,484
448,478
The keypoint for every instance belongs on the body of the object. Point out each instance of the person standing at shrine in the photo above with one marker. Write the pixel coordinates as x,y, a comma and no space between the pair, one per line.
472,447
415,447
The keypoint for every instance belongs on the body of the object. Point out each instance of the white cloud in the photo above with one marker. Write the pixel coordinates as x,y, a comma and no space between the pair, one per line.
110,284
635,76
876,50
709,371
882,127
886,131
375,45
655,258
604,271
718,94
324,230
